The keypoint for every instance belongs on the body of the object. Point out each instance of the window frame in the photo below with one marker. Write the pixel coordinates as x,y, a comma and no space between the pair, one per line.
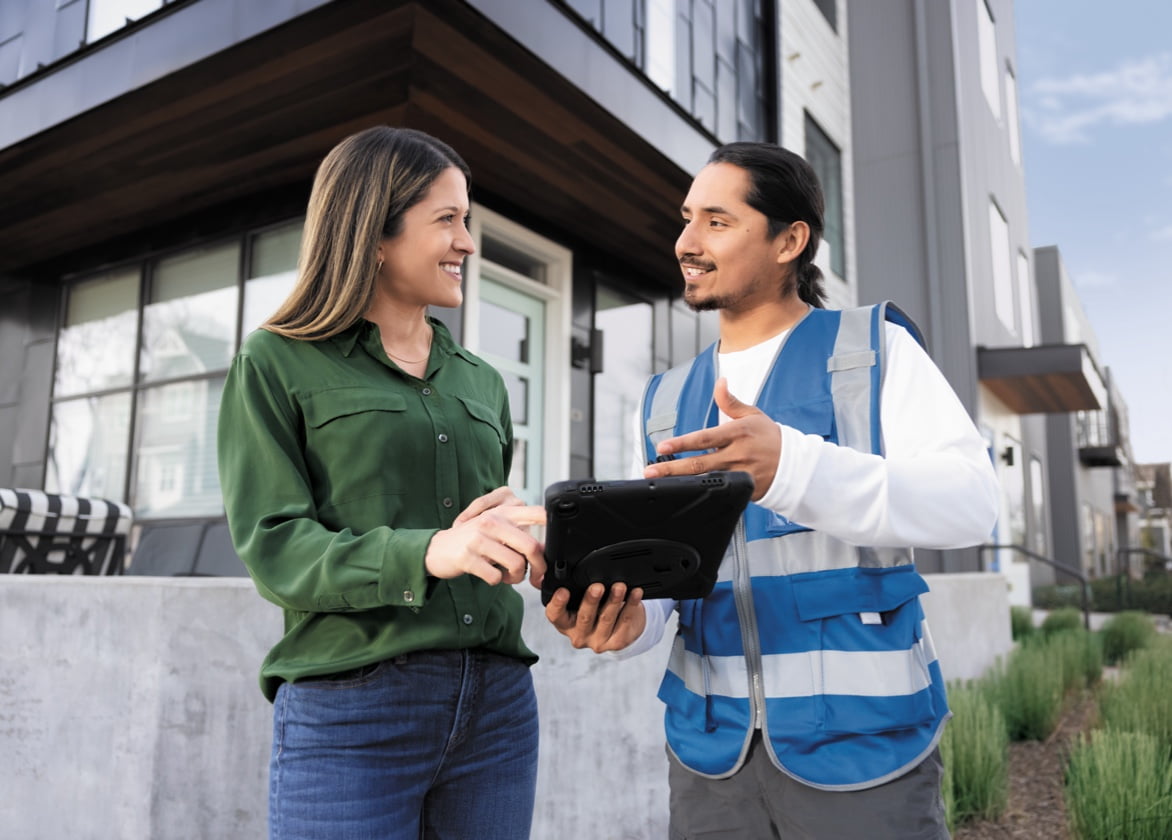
137,388
822,155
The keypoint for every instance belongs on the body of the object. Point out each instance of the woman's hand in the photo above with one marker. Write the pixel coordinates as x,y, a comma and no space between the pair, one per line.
490,539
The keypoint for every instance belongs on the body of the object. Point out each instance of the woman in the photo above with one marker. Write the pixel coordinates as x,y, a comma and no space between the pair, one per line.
363,456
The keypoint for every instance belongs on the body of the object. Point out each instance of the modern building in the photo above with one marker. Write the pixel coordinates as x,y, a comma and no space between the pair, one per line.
156,160
1154,499
940,215
1092,479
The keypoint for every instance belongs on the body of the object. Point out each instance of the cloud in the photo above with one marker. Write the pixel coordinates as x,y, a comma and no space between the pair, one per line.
1163,234
1137,92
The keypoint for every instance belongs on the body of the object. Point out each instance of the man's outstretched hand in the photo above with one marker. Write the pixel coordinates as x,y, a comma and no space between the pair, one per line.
749,441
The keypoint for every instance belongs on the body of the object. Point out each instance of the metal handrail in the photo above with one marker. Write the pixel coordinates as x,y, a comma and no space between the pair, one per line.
1148,552
1124,574
1053,564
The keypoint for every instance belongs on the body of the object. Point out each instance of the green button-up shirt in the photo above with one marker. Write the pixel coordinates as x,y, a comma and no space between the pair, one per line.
337,469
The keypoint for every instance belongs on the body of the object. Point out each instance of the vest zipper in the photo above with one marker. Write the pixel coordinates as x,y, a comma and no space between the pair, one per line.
750,640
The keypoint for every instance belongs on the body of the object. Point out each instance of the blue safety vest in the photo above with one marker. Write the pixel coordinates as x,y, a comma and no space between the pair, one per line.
820,644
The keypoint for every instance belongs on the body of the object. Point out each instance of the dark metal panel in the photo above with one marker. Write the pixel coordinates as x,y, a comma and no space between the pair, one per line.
1044,379
1063,487
32,426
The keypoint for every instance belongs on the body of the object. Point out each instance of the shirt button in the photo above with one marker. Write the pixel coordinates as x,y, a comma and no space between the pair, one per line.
408,595
447,502
442,438
467,618
426,392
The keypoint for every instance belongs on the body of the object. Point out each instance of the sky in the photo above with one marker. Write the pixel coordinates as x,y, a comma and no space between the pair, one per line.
1095,91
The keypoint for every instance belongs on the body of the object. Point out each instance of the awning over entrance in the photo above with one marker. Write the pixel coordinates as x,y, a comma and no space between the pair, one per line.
1051,378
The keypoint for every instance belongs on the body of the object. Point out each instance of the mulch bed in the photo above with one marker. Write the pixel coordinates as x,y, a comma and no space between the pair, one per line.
1037,809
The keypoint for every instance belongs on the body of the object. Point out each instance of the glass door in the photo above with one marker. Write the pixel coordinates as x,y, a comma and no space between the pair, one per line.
512,339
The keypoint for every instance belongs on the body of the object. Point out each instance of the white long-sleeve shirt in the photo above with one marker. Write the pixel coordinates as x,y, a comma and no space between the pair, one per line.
934,487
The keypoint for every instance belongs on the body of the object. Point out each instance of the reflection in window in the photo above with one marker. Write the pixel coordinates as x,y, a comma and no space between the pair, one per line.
518,388
1003,297
987,50
162,463
626,325
1025,299
516,259
505,332
88,446
826,159
829,10
713,58
106,16
95,350
189,323
272,273
1038,502
1011,125
175,465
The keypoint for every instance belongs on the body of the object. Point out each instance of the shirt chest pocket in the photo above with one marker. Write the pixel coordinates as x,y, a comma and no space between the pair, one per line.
348,434
482,445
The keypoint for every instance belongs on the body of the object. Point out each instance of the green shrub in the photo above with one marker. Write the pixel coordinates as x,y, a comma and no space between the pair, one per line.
1063,618
1119,787
1028,691
975,751
1021,622
1053,597
1081,654
1124,633
1111,594
1140,701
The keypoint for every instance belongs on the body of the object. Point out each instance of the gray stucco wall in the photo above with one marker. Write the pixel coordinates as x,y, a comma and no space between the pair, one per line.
129,708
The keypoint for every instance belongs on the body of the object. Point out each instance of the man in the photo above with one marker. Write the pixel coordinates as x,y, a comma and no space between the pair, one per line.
803,698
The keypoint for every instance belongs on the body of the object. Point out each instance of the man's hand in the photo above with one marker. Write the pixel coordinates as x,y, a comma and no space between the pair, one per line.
749,441
599,625
490,539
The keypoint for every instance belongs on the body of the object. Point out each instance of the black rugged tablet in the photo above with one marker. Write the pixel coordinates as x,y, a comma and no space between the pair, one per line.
666,535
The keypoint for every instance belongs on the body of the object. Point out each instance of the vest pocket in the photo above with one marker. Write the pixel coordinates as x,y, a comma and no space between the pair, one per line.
870,667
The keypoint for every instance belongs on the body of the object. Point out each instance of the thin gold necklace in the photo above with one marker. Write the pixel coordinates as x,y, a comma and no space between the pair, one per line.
416,361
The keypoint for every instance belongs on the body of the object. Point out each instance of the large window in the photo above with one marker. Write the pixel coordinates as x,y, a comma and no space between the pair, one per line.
626,323
106,16
1011,122
1025,299
987,49
1038,504
1003,297
713,58
826,159
829,10
141,359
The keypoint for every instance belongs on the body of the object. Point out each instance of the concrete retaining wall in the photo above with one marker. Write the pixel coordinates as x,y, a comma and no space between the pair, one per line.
129,708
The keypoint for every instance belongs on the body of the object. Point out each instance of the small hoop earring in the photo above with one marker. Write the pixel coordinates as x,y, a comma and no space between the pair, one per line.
379,267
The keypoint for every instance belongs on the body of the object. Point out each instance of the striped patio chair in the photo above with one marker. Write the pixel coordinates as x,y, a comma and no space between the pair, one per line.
50,533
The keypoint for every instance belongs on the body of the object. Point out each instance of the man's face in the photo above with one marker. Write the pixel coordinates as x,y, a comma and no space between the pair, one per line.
729,261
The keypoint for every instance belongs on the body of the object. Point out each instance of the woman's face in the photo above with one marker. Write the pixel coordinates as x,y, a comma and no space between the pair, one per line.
422,263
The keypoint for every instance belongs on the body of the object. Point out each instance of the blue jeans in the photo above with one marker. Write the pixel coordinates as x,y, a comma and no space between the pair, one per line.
437,744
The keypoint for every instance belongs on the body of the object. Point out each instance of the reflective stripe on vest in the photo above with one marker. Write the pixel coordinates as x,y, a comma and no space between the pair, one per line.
829,637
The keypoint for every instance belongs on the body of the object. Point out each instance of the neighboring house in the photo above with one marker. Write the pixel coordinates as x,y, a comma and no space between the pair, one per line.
1153,483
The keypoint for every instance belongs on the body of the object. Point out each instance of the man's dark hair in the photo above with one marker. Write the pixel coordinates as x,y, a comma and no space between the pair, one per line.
785,188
